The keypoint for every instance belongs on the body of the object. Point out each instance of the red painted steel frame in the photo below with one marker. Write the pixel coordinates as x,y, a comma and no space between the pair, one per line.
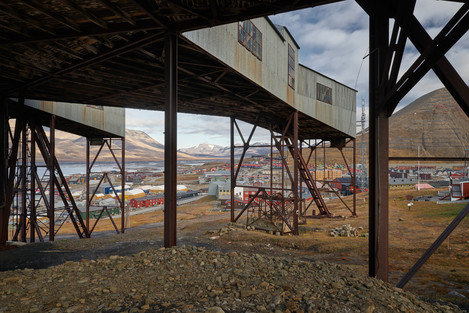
287,139
378,152
170,148
107,142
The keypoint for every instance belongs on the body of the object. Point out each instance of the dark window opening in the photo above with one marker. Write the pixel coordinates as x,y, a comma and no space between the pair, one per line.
324,93
291,67
250,37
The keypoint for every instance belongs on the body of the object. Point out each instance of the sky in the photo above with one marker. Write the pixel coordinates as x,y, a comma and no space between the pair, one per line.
333,40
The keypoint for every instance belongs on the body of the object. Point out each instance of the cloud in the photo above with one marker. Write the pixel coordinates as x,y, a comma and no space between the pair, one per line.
434,14
145,120
333,40
193,129
217,128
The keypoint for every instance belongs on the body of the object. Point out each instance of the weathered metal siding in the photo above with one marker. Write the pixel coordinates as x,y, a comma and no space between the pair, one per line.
108,119
272,72
340,114
288,41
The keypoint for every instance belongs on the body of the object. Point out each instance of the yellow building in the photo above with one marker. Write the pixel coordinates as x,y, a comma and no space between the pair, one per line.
328,174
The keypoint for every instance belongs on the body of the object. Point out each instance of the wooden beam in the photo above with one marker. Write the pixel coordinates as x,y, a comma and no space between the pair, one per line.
116,29
137,43
143,5
21,17
118,11
88,14
33,4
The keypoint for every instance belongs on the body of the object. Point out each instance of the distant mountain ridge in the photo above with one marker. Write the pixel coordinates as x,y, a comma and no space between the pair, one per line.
139,146
205,150
433,125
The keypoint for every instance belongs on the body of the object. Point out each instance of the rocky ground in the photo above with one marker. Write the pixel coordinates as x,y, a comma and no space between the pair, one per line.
189,278
133,273
218,268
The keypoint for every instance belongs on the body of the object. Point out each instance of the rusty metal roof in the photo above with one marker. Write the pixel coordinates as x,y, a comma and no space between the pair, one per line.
110,52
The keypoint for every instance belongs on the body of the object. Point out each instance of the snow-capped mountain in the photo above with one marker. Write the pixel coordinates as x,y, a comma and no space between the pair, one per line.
205,150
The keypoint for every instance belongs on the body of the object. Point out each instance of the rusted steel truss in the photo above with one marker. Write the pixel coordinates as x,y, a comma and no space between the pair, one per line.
280,207
116,147
387,89
272,212
29,189
327,184
445,234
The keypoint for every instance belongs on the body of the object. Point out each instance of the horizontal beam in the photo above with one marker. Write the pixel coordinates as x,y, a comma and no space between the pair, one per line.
140,42
428,158
122,28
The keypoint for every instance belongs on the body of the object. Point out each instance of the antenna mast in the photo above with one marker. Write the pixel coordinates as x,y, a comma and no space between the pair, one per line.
363,178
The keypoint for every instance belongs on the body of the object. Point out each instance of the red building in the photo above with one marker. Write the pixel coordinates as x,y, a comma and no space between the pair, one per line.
146,202
250,192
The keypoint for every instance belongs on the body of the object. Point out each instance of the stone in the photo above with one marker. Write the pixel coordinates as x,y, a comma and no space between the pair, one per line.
188,279
247,293
10,280
264,284
368,308
456,294
214,309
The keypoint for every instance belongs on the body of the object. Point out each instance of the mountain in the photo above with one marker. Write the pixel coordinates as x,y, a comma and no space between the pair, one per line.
433,122
139,146
433,126
205,150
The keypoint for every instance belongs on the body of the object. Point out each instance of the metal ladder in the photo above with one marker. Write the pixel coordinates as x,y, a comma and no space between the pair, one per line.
308,178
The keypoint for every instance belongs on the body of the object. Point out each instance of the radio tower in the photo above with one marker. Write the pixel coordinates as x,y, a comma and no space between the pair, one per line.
363,178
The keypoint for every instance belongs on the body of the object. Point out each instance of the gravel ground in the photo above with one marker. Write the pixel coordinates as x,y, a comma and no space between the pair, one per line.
193,279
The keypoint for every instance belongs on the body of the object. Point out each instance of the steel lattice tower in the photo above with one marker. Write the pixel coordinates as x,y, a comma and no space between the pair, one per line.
363,177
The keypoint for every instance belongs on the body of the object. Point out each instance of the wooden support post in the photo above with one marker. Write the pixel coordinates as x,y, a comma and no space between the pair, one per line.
170,148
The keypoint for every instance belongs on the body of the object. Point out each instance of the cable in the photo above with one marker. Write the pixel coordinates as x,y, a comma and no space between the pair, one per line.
359,70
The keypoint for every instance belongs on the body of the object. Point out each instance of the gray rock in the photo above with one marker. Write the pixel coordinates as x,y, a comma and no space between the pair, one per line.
214,309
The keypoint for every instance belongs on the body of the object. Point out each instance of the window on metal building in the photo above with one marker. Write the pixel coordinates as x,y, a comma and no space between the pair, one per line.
250,37
291,66
324,93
